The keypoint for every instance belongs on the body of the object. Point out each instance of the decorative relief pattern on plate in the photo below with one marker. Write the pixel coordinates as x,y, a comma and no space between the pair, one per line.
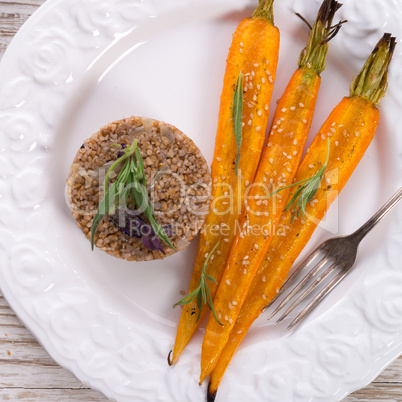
328,358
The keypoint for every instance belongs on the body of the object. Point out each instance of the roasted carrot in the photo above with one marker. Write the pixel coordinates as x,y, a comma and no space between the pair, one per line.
253,55
349,130
280,160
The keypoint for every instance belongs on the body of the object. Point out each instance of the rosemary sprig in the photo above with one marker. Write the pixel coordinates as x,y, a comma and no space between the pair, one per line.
130,182
202,292
237,116
306,192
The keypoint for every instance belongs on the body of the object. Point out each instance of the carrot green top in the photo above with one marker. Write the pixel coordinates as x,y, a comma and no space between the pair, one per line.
313,55
371,83
264,10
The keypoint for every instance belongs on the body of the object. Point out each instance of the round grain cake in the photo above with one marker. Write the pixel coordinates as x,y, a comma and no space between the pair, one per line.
177,181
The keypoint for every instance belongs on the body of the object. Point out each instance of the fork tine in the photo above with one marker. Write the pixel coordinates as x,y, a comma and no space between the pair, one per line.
324,292
311,273
292,278
307,291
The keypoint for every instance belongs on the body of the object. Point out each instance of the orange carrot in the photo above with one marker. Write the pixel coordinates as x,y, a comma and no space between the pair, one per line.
254,56
277,168
349,130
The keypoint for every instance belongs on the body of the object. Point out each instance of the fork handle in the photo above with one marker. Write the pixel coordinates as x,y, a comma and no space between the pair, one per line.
364,229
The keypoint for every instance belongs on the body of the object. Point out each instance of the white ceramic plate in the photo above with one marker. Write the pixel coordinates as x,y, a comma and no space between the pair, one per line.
78,64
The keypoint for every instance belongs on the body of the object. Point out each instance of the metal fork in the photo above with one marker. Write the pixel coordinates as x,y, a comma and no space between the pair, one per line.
341,253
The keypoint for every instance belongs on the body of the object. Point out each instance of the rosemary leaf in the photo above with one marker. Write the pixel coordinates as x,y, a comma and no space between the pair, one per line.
202,290
130,182
237,116
306,192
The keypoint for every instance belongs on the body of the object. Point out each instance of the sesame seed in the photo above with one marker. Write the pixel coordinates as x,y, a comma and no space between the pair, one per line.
241,50
294,153
251,115
264,178
304,121
310,166
252,73
285,154
239,332
270,144
336,143
218,159
254,97
218,252
263,296
357,133
271,161
247,183
241,44
249,122
256,246
295,142
328,180
267,62
226,240
234,303
266,107
292,108
263,80
283,110
280,130
288,169
226,317
264,279
270,79
256,65
279,121
205,255
244,271
301,104
323,136
332,130
258,86
259,112
257,128
230,321
333,124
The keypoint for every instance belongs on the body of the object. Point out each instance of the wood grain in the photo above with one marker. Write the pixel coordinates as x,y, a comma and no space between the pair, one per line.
28,373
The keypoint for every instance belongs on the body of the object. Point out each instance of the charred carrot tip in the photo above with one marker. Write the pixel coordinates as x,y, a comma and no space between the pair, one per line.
211,395
169,360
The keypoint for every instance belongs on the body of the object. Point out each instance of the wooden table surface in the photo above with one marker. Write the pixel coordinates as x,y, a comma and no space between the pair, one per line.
27,372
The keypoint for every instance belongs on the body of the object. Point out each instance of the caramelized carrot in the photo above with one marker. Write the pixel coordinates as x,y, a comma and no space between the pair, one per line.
253,55
349,130
278,166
